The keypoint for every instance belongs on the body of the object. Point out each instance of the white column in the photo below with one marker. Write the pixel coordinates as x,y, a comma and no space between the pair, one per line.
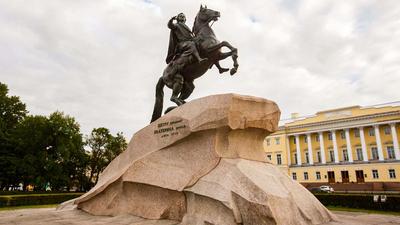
335,149
310,150
348,143
395,141
298,150
363,145
378,143
289,161
321,147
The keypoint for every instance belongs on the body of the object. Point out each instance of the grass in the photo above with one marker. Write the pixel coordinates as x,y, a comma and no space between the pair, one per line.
28,207
25,195
339,208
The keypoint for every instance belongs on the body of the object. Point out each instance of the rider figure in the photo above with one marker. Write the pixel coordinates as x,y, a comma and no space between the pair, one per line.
181,39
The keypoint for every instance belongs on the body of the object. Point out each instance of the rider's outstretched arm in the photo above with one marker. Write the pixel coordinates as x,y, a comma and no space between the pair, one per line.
171,24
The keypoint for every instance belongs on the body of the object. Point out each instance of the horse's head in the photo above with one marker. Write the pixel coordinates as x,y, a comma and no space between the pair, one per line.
205,16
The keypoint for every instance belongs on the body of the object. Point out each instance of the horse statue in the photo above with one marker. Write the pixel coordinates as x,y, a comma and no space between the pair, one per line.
183,69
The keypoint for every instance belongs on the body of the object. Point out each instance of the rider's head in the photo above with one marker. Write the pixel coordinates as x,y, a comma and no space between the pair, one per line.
181,18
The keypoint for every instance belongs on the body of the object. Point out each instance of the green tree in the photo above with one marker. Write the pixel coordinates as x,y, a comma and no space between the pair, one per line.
116,145
40,150
104,148
12,111
31,140
51,151
67,159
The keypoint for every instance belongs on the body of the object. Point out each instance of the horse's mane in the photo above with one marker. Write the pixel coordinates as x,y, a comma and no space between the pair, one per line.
195,28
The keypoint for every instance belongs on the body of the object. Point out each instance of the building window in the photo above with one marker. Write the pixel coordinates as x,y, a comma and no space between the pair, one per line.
279,159
359,154
356,133
392,174
390,152
342,135
371,132
277,141
305,175
294,176
319,156
330,136
375,174
387,130
318,175
331,155
317,138
307,159
295,158
345,155
305,139
374,151
269,157
268,141
294,140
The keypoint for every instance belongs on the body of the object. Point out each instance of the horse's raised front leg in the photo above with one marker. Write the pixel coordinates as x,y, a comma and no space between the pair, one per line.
220,68
233,53
222,56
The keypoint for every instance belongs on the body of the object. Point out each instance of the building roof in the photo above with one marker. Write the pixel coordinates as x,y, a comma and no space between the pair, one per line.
343,113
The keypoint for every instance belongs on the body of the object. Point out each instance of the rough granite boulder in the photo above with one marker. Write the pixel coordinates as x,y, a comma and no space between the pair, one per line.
204,163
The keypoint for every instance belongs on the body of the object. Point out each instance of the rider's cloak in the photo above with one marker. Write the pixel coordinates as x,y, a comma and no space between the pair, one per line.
171,46
179,33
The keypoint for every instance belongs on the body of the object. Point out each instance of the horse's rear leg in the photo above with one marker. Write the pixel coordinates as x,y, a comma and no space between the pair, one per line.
176,89
187,90
184,89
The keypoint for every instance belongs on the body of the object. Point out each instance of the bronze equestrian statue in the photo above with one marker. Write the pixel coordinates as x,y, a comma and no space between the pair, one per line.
190,55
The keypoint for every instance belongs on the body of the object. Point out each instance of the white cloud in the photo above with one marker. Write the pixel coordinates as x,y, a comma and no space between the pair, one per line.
99,60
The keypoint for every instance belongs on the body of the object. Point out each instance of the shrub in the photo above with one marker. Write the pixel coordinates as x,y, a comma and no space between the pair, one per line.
36,199
361,201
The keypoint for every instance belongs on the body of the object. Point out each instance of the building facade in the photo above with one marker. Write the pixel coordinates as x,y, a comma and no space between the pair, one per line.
354,148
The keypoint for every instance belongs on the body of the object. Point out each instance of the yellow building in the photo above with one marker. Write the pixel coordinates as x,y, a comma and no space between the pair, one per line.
352,148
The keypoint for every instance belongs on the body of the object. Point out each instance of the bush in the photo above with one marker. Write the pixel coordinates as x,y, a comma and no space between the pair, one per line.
360,201
36,199
32,192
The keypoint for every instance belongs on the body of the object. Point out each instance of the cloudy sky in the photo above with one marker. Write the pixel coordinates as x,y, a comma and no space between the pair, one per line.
99,60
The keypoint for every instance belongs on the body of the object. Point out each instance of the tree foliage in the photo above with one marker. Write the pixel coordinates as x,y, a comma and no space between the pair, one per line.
12,111
50,150
104,148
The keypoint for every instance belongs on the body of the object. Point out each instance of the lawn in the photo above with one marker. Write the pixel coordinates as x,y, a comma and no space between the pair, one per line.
28,207
346,209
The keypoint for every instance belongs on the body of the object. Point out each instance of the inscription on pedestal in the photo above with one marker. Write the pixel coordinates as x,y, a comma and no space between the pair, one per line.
170,128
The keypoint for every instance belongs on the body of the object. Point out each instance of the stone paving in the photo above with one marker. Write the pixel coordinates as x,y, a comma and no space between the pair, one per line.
49,216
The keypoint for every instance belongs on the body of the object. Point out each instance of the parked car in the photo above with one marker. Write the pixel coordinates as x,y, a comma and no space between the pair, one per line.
321,189
315,190
326,188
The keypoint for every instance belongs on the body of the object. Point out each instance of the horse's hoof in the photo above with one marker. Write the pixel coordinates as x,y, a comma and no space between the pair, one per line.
233,71
223,70
169,109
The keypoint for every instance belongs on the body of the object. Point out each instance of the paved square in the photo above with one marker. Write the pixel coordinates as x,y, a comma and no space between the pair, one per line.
76,217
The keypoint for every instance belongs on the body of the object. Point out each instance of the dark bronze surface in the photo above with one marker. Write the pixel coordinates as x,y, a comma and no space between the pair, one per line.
190,55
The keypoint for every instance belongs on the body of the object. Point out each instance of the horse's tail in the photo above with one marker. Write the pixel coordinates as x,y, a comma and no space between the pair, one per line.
158,105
